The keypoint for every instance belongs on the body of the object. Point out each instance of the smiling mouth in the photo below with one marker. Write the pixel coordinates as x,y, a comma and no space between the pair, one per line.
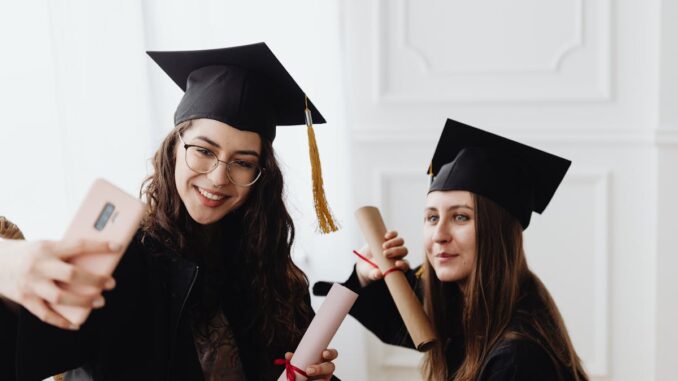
210,195
446,255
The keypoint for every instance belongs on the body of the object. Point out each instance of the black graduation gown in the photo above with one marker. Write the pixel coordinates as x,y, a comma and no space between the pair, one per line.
7,339
141,334
511,360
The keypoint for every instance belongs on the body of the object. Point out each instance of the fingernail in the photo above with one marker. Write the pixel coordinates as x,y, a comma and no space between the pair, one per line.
114,246
326,353
110,284
310,371
98,303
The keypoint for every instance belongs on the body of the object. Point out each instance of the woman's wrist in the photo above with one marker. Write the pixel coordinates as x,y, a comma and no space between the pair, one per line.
363,281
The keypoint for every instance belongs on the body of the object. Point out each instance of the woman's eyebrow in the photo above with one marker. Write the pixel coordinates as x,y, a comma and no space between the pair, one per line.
432,209
247,152
216,145
208,141
458,206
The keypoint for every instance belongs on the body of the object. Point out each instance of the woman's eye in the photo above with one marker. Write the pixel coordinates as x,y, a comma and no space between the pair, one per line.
245,164
432,218
461,218
204,152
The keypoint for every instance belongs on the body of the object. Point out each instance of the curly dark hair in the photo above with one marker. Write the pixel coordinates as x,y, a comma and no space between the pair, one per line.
278,288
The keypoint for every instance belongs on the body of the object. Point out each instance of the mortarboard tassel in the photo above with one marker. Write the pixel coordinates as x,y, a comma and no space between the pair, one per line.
326,221
430,172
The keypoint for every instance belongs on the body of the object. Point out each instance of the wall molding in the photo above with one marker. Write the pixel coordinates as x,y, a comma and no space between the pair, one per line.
638,138
666,136
554,65
598,367
554,88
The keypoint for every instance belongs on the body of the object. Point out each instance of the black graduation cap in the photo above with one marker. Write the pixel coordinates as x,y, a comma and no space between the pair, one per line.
243,86
520,178
248,88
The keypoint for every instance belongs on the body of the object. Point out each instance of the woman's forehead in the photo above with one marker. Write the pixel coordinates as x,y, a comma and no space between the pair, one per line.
222,135
444,199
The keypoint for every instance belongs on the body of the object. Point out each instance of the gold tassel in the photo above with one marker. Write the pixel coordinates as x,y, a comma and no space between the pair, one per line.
326,221
430,173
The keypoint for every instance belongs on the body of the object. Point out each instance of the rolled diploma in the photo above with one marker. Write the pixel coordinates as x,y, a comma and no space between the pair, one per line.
410,309
322,329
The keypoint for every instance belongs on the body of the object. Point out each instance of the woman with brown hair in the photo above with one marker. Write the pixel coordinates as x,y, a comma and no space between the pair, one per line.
494,318
207,289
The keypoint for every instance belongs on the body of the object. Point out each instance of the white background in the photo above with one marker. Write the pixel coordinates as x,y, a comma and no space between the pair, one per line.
595,81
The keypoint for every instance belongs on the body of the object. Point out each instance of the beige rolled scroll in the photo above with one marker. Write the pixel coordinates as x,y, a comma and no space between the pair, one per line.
321,331
410,309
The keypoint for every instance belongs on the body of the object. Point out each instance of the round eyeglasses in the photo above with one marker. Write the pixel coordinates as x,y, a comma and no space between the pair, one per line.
240,172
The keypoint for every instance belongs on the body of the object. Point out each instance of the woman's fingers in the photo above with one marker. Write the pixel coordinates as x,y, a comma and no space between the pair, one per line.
36,275
394,246
390,234
73,275
322,371
68,249
402,264
43,312
376,274
330,354
397,241
50,292
396,252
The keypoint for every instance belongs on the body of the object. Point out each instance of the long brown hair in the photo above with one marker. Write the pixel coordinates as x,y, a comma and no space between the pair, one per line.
279,288
501,294
9,230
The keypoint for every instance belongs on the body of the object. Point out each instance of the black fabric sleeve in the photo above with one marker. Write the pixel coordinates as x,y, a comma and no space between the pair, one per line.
375,308
43,350
8,327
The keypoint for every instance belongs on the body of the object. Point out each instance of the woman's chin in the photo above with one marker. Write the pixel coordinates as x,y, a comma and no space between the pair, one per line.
208,217
448,275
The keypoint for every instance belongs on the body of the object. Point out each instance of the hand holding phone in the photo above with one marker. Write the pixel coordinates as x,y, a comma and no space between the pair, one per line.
107,214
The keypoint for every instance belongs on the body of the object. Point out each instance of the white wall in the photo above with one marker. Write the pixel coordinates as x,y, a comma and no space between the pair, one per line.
595,81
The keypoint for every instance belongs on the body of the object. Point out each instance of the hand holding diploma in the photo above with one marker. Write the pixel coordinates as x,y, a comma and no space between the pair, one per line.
319,372
410,309
394,248
311,349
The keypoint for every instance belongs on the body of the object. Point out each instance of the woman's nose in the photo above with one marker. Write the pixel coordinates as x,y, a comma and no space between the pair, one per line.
219,176
441,233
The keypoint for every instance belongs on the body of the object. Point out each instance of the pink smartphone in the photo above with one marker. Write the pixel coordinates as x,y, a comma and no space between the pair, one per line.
107,214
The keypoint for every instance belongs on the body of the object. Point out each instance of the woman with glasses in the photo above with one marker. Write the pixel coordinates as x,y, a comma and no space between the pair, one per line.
207,289
494,319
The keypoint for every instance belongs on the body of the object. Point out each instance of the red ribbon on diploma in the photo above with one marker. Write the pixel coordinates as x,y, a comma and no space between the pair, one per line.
290,369
364,258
